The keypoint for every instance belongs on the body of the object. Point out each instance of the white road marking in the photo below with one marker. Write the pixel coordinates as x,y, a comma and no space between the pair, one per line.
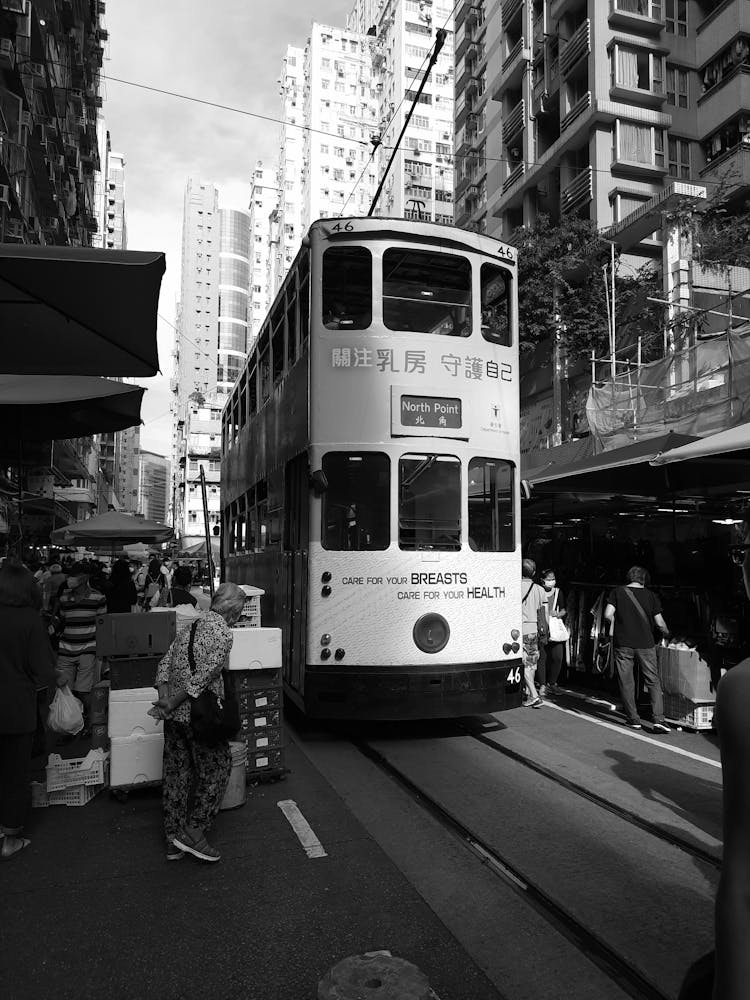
305,834
636,736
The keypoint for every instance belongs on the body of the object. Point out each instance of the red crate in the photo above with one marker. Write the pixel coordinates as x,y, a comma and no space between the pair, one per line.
255,680
255,722
260,761
263,739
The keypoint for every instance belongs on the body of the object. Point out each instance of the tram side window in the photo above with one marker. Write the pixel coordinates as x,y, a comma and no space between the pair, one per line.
347,288
491,527
429,512
496,285
356,504
427,292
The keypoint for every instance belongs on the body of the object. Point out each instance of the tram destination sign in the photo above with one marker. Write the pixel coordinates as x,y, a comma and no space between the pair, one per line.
429,411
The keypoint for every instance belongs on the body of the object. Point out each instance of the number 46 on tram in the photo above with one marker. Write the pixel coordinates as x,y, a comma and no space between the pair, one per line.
370,472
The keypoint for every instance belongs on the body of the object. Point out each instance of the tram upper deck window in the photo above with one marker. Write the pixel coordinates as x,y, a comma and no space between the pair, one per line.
347,288
496,286
427,292
429,514
356,503
491,527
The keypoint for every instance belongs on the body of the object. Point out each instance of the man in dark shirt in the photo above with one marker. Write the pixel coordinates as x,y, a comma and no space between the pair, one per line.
635,610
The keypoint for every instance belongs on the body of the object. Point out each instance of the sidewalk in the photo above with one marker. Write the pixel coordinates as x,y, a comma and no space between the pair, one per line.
92,909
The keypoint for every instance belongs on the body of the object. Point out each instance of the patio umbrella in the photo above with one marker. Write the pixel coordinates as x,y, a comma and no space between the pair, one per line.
46,407
79,311
111,529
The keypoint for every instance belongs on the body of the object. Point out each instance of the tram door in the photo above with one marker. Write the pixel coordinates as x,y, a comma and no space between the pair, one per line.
297,494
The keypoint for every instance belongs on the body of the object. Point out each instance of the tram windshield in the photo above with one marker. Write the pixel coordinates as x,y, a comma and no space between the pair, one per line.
495,282
347,288
427,292
429,515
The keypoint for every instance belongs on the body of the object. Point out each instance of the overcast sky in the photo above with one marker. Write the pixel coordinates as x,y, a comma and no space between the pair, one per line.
229,52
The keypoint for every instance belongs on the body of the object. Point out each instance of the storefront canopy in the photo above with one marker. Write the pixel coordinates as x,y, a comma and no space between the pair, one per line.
621,471
111,529
78,311
47,407
734,440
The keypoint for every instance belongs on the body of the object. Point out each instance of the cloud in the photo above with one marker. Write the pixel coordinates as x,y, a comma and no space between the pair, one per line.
229,53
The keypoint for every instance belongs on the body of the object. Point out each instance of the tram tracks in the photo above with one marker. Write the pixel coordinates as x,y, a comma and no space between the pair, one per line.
627,976
699,853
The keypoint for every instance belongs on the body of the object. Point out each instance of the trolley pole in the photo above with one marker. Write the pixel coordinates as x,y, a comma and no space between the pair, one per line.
440,37
209,553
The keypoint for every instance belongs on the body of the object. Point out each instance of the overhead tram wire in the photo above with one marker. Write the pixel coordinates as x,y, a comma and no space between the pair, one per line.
360,142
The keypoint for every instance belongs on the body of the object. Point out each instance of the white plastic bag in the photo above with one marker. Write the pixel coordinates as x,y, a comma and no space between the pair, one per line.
65,712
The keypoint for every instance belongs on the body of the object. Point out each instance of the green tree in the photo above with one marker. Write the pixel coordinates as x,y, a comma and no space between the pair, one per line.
573,256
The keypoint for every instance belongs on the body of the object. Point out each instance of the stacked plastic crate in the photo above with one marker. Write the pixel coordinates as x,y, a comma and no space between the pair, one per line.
74,782
133,645
255,670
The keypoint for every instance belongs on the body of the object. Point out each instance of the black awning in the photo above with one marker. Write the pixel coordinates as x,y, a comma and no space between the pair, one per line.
78,311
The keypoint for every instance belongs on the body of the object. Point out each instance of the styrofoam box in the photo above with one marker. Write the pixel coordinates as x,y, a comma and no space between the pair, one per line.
136,761
255,649
128,713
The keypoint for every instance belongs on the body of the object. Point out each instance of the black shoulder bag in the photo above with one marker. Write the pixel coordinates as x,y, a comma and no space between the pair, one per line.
212,719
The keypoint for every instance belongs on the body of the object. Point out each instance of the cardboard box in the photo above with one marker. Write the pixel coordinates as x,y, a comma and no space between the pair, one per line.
683,672
255,649
136,761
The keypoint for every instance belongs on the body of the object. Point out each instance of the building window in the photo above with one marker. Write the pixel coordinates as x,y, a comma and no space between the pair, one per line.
679,158
636,69
638,144
676,19
677,87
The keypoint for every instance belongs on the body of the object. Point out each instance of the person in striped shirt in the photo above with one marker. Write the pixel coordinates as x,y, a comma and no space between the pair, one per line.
76,655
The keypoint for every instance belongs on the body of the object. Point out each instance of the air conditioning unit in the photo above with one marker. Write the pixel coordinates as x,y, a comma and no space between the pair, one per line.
446,135
7,54
5,195
26,120
14,229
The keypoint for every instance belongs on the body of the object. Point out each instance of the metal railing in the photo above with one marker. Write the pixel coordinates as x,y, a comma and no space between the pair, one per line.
515,121
581,105
575,48
578,192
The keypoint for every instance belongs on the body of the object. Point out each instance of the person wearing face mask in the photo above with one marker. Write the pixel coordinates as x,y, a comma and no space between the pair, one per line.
76,655
188,764
553,651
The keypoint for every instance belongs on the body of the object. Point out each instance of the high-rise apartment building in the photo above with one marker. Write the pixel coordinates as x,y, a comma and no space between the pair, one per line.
212,331
50,63
289,170
154,484
264,227
201,445
597,108
341,115
234,292
402,35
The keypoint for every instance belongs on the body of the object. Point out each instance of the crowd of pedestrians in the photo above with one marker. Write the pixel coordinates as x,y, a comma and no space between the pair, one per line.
48,617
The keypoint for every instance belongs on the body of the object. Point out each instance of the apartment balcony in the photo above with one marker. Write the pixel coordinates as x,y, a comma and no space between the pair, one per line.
720,28
514,176
509,9
515,64
515,122
734,165
723,101
472,15
580,107
642,17
577,46
579,192
558,8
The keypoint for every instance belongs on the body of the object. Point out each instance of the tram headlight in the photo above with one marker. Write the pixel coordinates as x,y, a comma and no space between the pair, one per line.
431,633
326,577
507,648
325,639
326,591
515,634
325,654
340,654
515,647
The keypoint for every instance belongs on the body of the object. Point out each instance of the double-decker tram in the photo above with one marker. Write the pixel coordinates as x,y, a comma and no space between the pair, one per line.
370,472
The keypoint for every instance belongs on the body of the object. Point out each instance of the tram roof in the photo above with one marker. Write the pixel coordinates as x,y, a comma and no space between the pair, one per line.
397,227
